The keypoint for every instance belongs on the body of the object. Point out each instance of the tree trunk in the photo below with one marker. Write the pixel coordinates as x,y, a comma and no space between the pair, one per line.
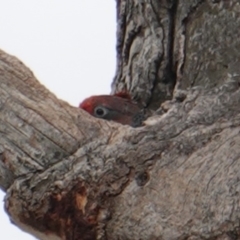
68,175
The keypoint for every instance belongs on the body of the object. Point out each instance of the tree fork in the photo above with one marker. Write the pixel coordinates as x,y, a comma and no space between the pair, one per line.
68,175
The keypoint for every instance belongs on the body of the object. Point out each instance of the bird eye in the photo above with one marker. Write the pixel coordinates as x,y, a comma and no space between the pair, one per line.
100,112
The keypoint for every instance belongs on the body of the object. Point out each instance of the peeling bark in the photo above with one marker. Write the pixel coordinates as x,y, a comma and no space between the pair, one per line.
68,175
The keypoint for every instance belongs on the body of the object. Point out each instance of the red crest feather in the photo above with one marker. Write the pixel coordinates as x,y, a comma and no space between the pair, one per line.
123,95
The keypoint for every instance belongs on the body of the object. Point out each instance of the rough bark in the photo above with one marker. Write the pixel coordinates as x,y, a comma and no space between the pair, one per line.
68,175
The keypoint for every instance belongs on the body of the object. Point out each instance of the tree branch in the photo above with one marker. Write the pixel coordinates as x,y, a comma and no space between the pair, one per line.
165,170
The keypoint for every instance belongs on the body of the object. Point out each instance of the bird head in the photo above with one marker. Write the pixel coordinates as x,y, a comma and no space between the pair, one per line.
119,108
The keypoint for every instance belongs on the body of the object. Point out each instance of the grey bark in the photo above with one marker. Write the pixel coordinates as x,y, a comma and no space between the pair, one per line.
68,175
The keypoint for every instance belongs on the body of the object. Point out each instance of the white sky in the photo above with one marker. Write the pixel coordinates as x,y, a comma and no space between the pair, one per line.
70,47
